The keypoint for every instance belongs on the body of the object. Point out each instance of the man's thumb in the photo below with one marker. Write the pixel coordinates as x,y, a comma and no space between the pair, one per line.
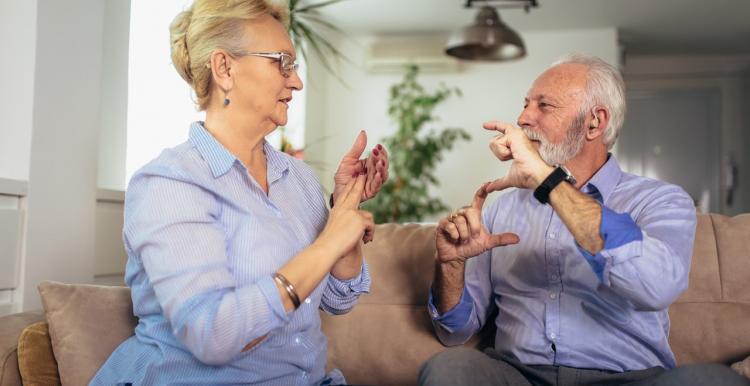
502,239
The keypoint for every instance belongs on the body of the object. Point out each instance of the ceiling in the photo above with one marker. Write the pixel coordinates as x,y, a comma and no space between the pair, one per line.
645,26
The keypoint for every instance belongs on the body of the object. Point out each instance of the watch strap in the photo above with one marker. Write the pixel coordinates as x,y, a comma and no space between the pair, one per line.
541,193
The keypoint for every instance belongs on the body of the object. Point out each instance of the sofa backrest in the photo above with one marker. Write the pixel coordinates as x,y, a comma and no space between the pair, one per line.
710,321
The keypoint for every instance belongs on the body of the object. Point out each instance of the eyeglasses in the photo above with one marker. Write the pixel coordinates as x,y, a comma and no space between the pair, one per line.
286,61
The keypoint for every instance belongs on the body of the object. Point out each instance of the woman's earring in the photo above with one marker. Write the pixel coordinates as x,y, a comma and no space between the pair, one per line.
226,98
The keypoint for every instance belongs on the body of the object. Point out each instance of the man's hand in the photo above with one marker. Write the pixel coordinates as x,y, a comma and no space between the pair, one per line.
462,235
375,166
528,170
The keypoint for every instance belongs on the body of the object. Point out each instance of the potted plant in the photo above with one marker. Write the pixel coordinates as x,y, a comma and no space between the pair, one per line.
414,154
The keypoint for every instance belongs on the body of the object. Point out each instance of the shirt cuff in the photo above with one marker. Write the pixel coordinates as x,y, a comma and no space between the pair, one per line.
622,241
271,292
455,318
354,286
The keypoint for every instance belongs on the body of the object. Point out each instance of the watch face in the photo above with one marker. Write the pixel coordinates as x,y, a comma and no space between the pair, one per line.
568,175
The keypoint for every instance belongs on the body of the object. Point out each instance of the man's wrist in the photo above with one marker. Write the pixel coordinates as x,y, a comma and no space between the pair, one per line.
541,174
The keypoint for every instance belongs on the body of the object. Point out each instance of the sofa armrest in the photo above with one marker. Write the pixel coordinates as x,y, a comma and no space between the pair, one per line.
11,327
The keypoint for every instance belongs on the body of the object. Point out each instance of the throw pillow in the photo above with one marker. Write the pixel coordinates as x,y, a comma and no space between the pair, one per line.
36,363
86,323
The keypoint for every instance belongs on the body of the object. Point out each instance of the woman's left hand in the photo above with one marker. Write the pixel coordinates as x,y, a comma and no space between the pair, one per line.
376,167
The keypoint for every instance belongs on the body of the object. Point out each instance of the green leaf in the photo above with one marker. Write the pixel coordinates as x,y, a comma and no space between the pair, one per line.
310,7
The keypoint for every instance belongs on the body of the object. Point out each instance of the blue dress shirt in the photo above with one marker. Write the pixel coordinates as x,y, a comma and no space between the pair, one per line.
203,240
558,304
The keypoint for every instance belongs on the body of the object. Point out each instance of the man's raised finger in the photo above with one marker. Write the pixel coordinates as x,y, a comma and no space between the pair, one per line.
480,196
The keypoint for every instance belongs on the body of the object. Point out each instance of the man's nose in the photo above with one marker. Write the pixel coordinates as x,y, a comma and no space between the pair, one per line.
526,119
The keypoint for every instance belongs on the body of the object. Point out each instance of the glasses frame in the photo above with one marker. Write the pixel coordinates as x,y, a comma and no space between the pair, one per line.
287,63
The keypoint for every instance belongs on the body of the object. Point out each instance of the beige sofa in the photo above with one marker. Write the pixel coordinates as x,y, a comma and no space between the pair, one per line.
388,335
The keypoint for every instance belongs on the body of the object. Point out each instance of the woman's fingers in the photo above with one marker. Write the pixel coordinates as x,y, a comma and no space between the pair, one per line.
352,196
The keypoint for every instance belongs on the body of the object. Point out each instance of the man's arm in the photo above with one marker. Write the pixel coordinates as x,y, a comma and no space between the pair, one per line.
448,284
581,214
646,262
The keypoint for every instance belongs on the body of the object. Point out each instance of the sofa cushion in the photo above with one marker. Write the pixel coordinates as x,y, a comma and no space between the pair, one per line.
86,323
36,362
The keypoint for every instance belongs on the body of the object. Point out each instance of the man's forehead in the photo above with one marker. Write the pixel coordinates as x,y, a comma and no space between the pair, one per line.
561,81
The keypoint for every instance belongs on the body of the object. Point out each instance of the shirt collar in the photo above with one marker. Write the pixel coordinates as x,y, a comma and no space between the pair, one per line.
605,179
220,160
278,163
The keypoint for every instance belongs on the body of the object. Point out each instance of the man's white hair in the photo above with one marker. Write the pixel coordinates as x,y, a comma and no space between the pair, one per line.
604,87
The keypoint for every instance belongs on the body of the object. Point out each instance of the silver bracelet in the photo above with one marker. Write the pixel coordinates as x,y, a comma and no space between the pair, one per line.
288,287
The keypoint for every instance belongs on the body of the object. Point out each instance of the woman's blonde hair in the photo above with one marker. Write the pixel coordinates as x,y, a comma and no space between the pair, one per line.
208,25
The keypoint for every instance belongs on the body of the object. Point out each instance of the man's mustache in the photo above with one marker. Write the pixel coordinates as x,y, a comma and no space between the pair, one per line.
533,135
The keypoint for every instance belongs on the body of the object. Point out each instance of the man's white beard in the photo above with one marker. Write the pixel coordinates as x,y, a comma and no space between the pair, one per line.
560,153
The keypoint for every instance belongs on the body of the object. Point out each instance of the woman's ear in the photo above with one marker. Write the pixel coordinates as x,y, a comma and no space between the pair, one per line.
221,69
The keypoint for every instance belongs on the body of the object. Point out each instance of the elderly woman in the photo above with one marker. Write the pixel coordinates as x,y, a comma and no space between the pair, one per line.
231,247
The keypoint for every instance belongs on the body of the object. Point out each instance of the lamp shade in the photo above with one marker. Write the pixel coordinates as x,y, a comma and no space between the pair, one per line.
488,39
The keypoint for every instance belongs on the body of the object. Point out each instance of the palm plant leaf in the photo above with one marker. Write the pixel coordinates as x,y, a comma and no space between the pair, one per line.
310,7
303,22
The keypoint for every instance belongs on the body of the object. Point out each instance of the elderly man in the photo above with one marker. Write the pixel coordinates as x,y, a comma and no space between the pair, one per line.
581,286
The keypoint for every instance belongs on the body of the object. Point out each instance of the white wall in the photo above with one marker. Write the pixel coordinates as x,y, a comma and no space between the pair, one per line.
490,91
64,140
114,95
17,43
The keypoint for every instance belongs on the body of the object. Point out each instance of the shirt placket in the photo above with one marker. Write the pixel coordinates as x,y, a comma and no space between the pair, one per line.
553,253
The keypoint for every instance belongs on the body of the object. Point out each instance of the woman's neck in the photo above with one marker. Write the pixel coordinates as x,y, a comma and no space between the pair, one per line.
245,141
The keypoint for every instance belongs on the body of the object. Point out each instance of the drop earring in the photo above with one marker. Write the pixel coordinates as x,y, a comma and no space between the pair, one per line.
226,98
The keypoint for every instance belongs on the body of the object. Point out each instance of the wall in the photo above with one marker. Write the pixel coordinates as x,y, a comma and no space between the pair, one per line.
18,42
64,141
490,91
114,95
722,73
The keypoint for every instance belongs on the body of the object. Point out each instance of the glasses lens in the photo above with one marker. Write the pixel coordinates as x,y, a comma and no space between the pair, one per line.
287,64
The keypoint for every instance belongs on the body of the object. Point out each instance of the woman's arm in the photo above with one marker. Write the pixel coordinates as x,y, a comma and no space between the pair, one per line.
171,225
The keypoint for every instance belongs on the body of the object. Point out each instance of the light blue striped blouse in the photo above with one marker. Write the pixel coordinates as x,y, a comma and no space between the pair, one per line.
559,305
203,239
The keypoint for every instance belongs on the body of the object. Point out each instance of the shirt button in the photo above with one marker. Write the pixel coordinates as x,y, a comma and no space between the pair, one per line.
552,235
553,296
307,301
552,335
553,277
296,340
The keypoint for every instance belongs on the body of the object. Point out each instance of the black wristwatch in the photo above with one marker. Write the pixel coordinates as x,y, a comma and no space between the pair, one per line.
557,176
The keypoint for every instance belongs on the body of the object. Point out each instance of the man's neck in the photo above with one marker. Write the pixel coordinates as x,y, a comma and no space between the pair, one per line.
586,164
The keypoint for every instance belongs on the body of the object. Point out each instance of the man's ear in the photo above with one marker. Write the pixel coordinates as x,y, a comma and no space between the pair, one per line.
598,121
221,69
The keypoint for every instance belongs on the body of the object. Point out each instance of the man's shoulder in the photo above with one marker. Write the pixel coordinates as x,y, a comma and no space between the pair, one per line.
633,183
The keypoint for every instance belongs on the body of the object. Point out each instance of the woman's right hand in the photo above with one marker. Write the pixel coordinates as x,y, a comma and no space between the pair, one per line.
346,222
